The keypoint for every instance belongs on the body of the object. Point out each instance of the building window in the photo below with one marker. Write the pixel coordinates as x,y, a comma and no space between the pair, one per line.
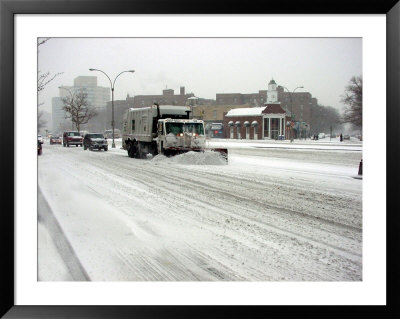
266,127
133,125
221,100
274,128
215,114
235,100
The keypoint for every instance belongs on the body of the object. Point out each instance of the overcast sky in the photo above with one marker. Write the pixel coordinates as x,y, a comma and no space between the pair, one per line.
204,66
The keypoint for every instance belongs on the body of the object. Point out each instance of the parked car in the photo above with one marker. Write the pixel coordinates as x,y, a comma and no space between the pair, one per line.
40,138
72,138
95,141
55,140
39,147
346,137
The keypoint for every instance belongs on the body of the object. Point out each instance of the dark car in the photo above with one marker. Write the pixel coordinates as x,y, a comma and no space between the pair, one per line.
72,138
55,140
39,147
95,141
346,137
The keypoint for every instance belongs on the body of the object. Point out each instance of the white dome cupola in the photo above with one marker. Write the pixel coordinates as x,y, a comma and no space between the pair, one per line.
272,93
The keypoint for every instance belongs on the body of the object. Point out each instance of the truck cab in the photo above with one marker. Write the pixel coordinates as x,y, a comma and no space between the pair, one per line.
177,136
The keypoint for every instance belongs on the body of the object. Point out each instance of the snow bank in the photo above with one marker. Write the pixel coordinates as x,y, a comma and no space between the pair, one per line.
193,158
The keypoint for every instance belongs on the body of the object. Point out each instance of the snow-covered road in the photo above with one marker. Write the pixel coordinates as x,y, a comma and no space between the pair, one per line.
276,211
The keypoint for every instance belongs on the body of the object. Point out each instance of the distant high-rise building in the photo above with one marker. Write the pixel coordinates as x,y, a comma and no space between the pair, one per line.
97,97
59,122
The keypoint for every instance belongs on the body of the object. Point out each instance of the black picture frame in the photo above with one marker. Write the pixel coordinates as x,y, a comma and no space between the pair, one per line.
7,11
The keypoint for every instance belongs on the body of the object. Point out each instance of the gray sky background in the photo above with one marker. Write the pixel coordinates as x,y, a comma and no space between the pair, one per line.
205,66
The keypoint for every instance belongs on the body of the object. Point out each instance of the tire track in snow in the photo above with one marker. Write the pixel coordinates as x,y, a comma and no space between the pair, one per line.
130,172
247,186
338,250
208,189
167,180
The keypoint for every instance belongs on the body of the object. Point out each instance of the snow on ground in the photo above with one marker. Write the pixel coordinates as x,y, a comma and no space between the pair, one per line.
276,211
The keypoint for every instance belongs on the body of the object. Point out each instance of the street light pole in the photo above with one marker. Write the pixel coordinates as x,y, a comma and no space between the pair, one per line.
112,84
291,104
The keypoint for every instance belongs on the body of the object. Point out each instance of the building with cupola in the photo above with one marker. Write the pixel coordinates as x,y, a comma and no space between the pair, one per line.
272,93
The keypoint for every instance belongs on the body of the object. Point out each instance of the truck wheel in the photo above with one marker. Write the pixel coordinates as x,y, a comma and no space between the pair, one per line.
128,147
105,149
131,150
84,147
137,148
139,153
76,145
67,145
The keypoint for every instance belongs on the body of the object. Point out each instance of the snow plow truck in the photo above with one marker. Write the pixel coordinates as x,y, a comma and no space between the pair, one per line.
163,129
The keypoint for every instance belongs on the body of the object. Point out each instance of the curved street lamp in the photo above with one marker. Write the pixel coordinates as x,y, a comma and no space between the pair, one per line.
69,91
291,103
112,84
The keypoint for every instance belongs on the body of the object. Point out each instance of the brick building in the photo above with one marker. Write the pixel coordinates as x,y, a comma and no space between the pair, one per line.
266,122
251,99
214,113
298,103
168,97
120,107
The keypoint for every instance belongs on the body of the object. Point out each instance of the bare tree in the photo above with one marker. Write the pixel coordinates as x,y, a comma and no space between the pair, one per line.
324,117
77,109
42,80
352,98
